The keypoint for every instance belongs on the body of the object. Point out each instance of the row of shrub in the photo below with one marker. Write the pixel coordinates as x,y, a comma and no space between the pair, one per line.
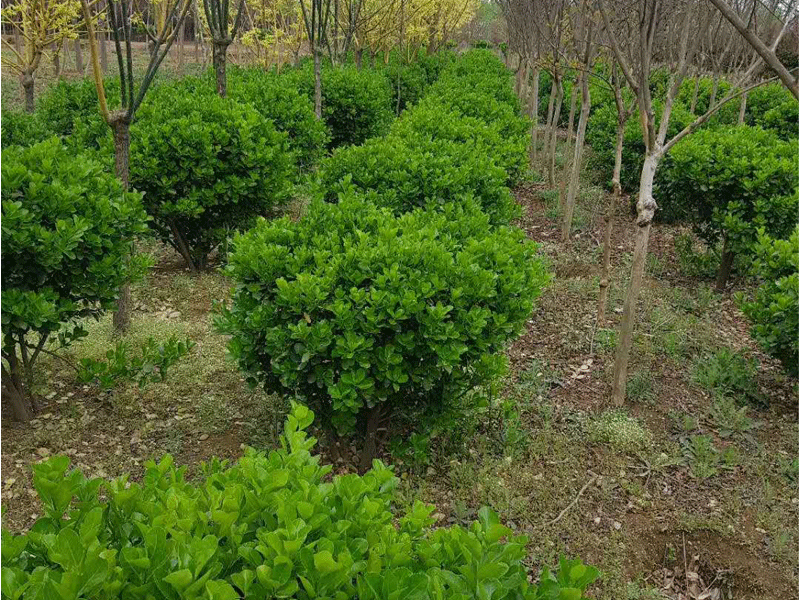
398,294
268,526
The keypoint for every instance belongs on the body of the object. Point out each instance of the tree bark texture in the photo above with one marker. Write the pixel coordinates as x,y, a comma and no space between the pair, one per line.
120,126
220,50
645,208
574,183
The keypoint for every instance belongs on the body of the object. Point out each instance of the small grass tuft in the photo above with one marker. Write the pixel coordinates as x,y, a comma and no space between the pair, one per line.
619,430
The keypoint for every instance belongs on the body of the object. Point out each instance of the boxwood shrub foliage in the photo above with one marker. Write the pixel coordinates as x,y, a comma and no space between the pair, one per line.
361,313
19,128
277,99
415,172
70,102
356,103
207,166
269,526
773,310
731,182
67,225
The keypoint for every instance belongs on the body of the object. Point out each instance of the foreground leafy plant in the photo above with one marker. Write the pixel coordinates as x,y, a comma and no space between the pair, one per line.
269,526
150,367
366,315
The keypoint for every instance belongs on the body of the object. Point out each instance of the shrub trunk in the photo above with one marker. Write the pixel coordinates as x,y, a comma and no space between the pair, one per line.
121,127
219,51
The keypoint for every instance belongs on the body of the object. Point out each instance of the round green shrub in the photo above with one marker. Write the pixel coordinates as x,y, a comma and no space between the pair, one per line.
206,166
435,119
278,100
417,172
356,103
773,310
408,81
70,101
19,128
353,308
274,525
773,107
67,230
729,182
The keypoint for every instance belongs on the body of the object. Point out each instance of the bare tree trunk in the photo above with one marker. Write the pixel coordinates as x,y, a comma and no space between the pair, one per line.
181,42
57,59
317,83
605,277
79,66
570,128
574,184
725,266
370,448
196,31
220,49
552,143
120,126
101,41
694,93
27,91
645,207
742,108
533,112
714,87
14,390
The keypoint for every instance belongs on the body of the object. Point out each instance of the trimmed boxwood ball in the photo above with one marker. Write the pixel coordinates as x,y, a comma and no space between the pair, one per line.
277,99
417,172
773,309
729,182
67,228
436,119
207,166
356,103
356,310
68,102
19,128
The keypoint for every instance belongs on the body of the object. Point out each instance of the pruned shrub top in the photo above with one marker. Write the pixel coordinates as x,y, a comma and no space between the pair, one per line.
207,166
356,103
278,99
730,181
415,172
67,228
351,306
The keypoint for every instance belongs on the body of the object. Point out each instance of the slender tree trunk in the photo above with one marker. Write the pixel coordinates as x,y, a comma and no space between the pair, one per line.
370,448
196,30
220,49
181,42
358,54
725,266
27,91
694,93
101,41
57,59
570,128
14,390
317,82
79,66
120,126
574,183
551,104
551,148
646,207
533,112
605,277
742,108
714,87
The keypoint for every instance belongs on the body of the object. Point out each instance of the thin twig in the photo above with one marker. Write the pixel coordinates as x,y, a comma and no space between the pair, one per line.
575,500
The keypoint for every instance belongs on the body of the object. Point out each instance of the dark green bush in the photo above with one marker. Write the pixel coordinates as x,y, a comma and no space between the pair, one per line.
67,227
435,119
290,111
477,73
206,166
416,172
19,128
268,526
773,310
352,308
729,182
773,107
408,80
356,103
70,101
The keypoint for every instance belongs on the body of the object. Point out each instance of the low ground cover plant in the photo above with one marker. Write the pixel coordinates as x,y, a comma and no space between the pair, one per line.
269,525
